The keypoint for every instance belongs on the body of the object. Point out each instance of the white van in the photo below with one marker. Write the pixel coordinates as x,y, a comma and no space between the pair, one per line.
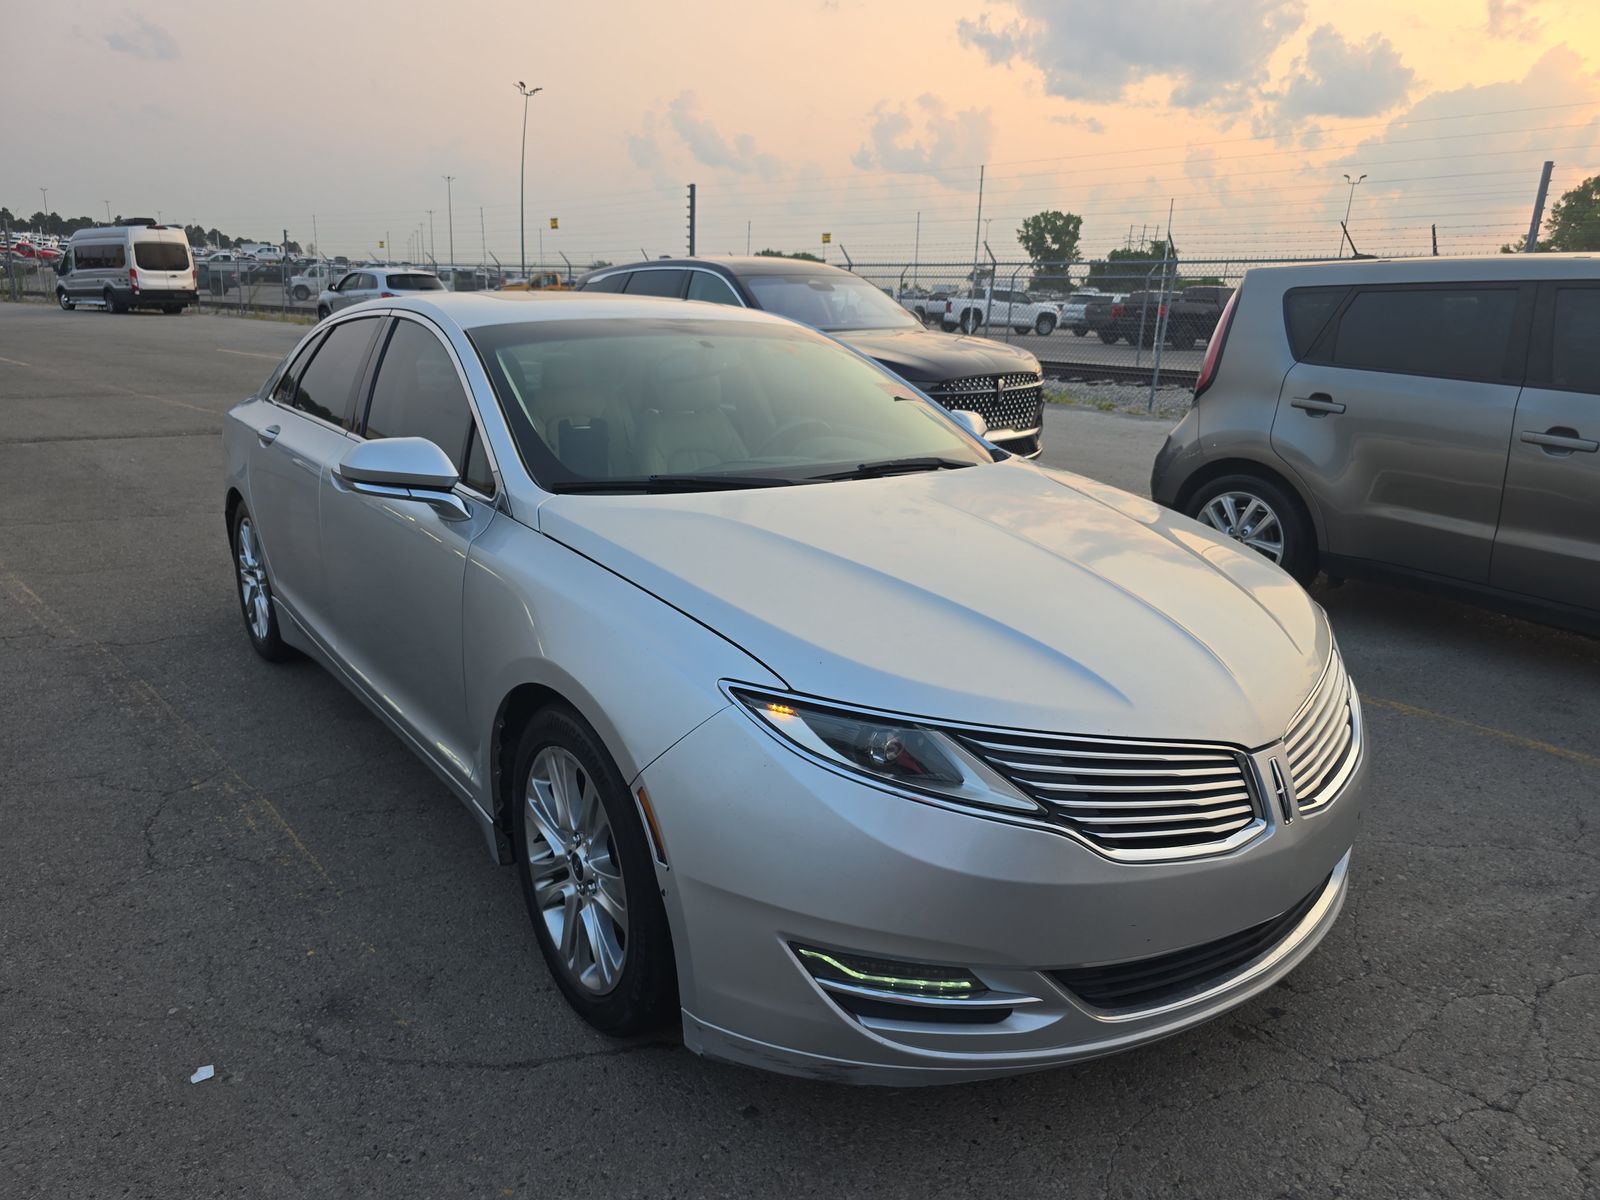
133,264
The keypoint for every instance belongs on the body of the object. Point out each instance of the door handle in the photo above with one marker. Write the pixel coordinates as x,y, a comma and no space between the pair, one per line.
1559,440
1318,404
268,435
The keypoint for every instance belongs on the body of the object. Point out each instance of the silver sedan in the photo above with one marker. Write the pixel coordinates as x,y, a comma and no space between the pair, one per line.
808,719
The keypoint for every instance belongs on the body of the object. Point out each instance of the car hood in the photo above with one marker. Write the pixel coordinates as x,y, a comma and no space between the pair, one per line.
1003,595
922,356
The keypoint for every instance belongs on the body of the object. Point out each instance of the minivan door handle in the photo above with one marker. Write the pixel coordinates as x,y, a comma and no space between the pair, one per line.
1318,404
1559,441
268,435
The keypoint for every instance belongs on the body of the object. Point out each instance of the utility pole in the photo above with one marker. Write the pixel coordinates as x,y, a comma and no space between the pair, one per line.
483,237
522,185
44,192
1162,308
107,203
1436,241
315,238
1345,224
691,220
1538,207
916,250
977,231
747,239
450,216
433,246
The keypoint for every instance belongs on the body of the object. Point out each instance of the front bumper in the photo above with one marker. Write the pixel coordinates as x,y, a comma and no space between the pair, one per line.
768,850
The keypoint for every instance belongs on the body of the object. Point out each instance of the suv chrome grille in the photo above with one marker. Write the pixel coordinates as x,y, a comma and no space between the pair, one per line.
1322,744
1131,799
1014,401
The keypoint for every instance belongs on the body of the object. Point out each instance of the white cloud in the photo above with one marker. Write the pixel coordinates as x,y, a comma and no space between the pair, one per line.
1337,78
142,39
710,147
946,139
1214,52
1511,19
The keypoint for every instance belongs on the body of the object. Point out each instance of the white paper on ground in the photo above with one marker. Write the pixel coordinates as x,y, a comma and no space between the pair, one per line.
203,1074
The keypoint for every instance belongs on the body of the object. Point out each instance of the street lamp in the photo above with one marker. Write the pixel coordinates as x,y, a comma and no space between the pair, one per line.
1348,202
450,216
522,184
45,194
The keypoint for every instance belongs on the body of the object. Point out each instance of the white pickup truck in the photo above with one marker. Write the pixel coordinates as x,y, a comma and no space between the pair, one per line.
997,308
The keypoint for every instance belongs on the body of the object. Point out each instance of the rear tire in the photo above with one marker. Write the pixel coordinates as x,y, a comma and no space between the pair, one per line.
1045,325
1258,512
113,305
255,590
1079,330
302,292
971,322
170,309
1108,337
576,855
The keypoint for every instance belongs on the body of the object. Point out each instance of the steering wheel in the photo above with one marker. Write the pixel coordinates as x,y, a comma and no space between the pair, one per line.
780,440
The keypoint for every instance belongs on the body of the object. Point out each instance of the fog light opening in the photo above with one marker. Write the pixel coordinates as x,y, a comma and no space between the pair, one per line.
888,975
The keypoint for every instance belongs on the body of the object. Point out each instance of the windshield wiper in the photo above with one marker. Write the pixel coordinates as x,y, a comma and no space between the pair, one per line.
673,483
896,466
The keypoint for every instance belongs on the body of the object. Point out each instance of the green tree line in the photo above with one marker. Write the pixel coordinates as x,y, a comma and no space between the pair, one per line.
54,224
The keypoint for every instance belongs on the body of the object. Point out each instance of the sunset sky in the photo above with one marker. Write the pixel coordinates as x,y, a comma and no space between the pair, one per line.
846,116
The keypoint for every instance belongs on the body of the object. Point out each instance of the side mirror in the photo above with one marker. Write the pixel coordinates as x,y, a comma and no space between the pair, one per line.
403,468
972,422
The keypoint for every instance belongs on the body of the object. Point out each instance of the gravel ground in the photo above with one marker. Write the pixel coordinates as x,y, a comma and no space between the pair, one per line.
1171,402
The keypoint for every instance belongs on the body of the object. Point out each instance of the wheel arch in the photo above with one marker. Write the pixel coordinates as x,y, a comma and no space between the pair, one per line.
230,507
1249,466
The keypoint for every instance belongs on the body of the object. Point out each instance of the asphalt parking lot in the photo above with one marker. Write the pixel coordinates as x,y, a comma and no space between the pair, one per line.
210,860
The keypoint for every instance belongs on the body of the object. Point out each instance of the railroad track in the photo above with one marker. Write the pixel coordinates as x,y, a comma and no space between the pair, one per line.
1096,372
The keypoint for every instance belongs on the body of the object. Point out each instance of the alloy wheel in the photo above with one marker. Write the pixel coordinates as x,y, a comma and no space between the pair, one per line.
574,869
253,582
1248,519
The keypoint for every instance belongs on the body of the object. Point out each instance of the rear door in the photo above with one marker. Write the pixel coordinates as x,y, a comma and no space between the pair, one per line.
1548,544
162,260
307,433
1398,418
395,567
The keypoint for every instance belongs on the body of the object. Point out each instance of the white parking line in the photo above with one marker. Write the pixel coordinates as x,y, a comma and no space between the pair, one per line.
249,354
13,362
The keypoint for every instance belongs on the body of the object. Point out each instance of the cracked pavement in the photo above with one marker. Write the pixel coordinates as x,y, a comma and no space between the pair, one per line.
209,859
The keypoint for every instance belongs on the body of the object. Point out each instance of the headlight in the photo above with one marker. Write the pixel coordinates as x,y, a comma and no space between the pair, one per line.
907,756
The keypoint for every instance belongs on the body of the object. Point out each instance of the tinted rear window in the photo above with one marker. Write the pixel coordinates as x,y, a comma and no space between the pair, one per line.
161,256
1305,315
657,283
1449,333
611,283
1575,349
416,283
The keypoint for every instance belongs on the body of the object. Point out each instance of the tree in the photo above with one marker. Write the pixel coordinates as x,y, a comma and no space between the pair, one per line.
799,254
1132,269
1050,240
598,263
1573,224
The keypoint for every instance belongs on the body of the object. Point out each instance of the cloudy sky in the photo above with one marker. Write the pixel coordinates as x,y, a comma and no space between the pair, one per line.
846,116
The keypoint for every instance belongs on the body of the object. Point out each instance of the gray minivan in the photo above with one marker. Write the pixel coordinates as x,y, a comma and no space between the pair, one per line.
1435,420
132,264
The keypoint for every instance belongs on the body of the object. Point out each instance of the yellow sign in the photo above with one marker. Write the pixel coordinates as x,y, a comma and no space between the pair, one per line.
555,223
380,245
826,238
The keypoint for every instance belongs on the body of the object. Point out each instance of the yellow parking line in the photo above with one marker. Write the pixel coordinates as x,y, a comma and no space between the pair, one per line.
1504,735
249,354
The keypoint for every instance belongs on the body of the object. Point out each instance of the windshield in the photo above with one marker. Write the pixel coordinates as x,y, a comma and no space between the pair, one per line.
416,283
161,256
687,403
832,302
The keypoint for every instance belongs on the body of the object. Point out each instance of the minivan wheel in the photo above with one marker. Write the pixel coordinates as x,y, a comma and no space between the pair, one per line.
255,590
111,302
61,299
1263,516
1045,325
588,878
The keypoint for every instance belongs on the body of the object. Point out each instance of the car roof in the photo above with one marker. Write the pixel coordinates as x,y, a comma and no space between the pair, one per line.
476,310
1429,269
732,264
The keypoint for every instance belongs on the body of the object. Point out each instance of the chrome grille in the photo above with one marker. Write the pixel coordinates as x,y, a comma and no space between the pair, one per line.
1131,799
1322,743
1014,401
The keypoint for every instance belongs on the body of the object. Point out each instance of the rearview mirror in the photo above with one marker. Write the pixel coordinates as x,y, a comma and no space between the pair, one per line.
403,468
972,422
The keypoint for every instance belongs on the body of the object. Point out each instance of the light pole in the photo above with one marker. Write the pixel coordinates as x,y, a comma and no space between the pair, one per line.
1354,183
45,193
522,184
450,216
107,203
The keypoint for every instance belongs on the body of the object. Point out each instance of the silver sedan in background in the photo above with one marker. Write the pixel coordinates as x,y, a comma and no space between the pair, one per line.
375,283
807,718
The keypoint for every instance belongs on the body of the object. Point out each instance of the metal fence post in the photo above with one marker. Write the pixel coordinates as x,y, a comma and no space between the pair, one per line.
1163,317
1144,308
1011,316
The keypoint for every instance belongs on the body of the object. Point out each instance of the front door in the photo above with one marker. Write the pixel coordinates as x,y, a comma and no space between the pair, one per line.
395,567
1398,422
304,434
1548,544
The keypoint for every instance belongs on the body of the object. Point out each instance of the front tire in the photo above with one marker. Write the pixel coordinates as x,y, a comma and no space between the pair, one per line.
1108,338
1045,325
1262,515
588,878
61,299
255,590
322,312
970,322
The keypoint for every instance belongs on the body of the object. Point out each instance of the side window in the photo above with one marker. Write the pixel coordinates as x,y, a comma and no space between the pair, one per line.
117,256
476,473
1575,343
703,285
418,394
283,390
611,283
1449,333
657,283
323,389
1305,314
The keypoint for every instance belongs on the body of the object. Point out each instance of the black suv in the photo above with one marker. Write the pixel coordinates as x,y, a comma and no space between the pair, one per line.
1000,383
